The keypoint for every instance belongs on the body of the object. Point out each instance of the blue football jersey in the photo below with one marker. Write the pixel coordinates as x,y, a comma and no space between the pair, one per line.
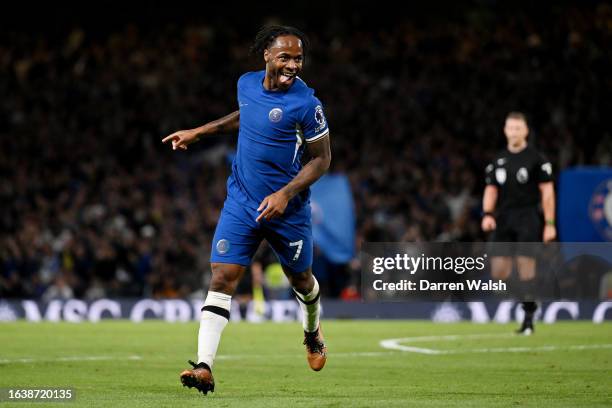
274,128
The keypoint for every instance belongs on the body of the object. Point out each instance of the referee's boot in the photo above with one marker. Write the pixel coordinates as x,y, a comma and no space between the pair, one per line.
316,350
200,377
527,328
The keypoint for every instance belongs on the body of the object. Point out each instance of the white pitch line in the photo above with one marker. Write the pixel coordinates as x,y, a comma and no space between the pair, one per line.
394,344
63,359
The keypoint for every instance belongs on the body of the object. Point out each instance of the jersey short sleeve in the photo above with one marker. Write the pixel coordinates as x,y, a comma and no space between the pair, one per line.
544,171
313,122
490,175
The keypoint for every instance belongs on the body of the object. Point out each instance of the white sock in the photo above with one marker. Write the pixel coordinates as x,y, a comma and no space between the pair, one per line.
310,305
214,318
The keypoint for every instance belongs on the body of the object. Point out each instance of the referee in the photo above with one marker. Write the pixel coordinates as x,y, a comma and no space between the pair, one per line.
517,181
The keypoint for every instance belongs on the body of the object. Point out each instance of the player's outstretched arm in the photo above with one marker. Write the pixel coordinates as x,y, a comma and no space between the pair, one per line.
183,138
274,205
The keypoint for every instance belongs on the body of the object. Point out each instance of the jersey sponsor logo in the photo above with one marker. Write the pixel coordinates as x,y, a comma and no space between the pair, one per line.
600,209
522,175
320,118
500,175
275,115
223,246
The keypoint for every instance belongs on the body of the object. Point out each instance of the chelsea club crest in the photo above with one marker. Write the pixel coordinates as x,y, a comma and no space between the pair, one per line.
223,246
275,115
600,209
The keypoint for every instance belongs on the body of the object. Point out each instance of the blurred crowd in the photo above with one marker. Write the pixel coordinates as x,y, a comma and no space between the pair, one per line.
93,205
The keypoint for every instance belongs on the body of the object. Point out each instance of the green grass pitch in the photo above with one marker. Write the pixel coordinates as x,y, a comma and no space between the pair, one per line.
122,364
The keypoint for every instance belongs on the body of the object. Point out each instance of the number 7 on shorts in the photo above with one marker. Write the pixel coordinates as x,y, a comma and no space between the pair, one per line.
298,244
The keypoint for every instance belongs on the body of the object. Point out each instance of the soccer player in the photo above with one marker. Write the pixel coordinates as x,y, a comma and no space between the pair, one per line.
516,182
267,193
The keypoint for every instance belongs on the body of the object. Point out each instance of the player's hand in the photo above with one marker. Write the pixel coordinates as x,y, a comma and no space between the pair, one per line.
488,223
550,233
182,139
273,206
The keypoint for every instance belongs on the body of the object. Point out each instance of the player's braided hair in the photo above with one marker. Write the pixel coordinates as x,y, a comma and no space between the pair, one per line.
267,34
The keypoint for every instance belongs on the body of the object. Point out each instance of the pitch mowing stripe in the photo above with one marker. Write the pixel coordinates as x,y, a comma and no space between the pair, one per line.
394,344
63,359
341,354
400,349
390,344
219,357
576,347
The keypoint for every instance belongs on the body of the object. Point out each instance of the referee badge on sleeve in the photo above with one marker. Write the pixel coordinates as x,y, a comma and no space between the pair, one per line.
500,175
522,176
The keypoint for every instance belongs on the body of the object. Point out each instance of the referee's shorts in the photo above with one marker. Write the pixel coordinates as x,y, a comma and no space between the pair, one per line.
517,228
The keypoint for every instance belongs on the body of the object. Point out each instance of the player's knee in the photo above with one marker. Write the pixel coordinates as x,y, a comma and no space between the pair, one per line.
225,277
302,282
218,284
